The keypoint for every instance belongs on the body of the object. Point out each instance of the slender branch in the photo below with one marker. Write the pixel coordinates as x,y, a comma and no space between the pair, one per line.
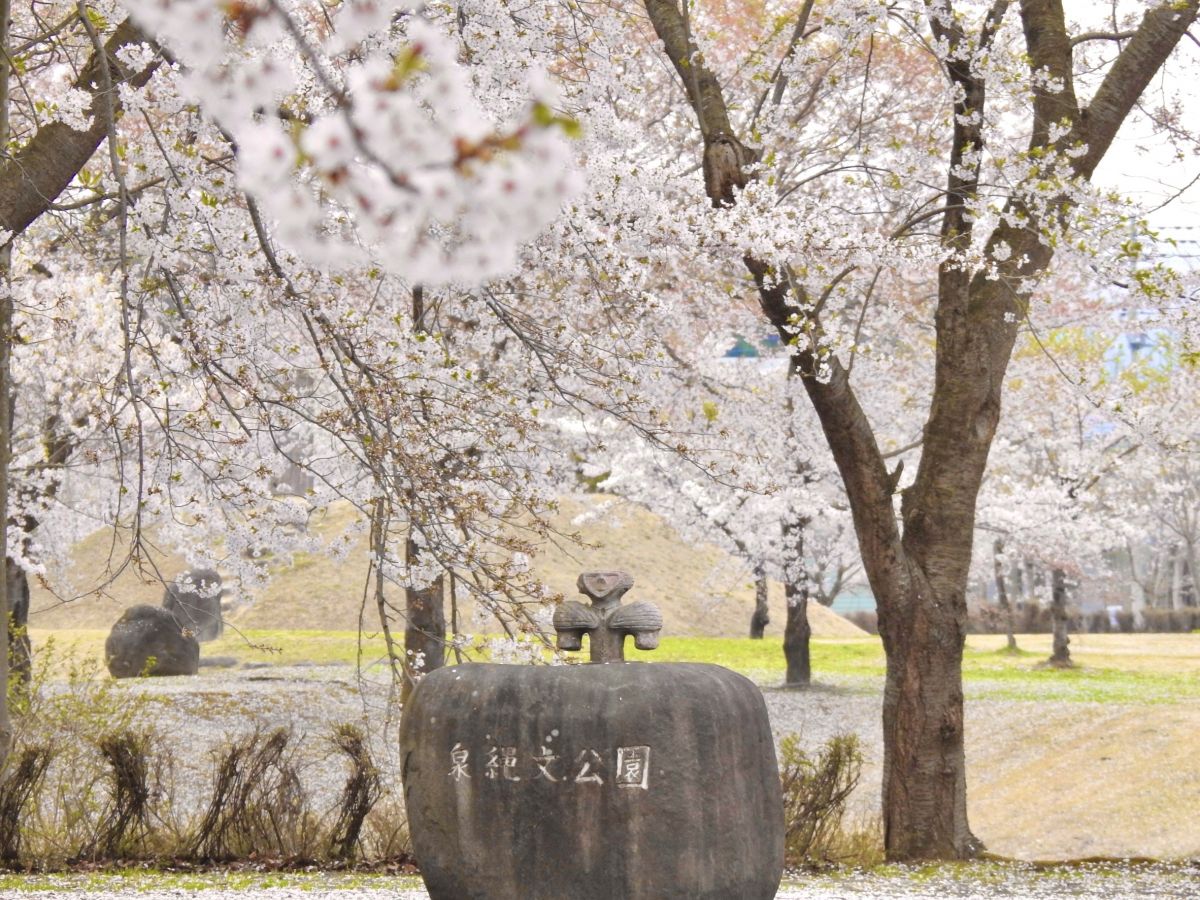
779,81
1086,36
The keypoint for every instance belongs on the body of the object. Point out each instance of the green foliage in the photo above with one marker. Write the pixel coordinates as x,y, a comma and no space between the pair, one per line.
544,116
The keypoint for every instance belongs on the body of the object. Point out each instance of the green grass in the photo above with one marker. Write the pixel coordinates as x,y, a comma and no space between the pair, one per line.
1127,668
763,660
986,673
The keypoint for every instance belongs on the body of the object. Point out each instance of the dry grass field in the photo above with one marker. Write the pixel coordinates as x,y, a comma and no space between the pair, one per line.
701,590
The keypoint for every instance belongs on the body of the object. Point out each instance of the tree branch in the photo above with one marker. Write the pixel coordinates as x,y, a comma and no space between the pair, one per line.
32,179
1101,36
843,419
702,88
1052,65
1160,31
779,81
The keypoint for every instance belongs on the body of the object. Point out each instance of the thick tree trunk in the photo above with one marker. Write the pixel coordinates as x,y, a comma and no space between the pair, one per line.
796,635
1002,592
762,613
1060,656
425,633
924,767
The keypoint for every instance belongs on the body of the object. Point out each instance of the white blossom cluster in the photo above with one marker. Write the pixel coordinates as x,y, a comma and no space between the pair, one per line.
363,142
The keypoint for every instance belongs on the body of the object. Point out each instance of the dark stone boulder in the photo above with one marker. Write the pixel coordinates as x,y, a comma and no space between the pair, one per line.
195,600
605,781
148,640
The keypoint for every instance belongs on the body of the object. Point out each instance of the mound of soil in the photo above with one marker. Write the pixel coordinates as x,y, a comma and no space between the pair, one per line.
700,590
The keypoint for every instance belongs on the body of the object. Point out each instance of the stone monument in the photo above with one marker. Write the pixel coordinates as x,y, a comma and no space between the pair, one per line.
604,781
194,598
147,640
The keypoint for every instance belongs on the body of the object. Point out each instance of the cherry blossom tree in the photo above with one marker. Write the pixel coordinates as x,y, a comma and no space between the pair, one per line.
354,241
740,420
285,240
1030,109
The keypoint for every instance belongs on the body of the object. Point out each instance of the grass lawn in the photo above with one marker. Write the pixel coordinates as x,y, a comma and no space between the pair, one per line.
1156,668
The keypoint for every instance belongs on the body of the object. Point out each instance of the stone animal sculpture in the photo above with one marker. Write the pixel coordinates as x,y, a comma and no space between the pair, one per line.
195,600
148,640
604,781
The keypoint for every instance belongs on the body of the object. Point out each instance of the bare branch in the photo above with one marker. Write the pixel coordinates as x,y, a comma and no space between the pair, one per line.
1101,36
779,81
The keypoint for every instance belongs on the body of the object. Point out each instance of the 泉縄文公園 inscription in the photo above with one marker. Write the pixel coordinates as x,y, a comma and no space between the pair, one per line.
627,767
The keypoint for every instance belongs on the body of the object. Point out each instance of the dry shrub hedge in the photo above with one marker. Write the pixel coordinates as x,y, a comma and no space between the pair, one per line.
89,778
816,791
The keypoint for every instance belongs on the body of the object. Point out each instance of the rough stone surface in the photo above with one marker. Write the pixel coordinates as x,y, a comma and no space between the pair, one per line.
150,632
195,600
619,780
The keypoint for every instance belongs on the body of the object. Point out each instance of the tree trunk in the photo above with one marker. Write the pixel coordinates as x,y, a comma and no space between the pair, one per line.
425,623
1002,593
1060,658
1137,589
796,634
425,608
1192,597
924,768
20,651
762,613
6,325
1176,578
6,344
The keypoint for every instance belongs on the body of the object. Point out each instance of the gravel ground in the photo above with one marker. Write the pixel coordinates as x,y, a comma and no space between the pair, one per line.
990,881
200,713
1021,805
1011,744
